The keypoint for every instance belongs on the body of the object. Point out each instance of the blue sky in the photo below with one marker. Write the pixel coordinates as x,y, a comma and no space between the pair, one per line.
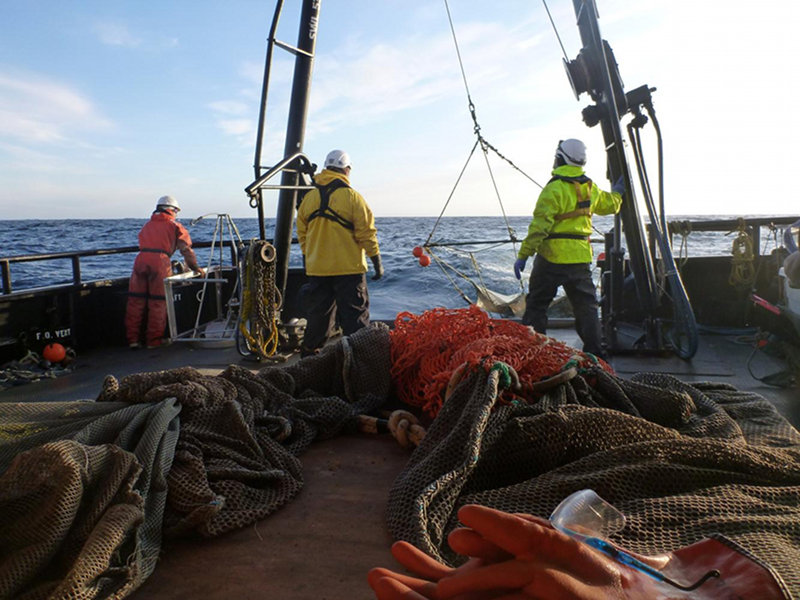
106,105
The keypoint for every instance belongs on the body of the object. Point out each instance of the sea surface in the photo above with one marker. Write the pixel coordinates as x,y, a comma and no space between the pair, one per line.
406,285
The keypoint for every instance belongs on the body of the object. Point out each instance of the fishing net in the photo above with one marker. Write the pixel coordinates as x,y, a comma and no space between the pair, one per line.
682,462
431,351
88,488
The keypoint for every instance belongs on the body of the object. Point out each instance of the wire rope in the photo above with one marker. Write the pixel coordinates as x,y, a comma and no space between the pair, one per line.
485,147
555,30
453,191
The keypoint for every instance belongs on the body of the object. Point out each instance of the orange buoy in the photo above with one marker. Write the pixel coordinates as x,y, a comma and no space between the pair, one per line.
424,260
54,353
417,251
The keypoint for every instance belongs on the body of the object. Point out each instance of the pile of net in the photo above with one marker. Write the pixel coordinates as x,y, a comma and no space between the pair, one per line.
88,489
683,462
431,351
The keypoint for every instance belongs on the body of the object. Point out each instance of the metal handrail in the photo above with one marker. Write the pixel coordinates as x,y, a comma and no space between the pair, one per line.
252,189
75,257
753,224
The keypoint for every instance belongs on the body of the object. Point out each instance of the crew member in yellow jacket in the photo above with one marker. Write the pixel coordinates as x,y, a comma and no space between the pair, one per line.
336,230
559,237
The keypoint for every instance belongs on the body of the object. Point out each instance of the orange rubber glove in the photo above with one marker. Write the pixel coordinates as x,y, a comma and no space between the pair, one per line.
513,557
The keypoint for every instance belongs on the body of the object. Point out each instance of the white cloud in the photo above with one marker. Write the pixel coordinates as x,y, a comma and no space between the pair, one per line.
236,127
230,107
116,34
36,110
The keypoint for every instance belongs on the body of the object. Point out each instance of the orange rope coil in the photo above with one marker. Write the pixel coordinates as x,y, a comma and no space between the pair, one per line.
428,348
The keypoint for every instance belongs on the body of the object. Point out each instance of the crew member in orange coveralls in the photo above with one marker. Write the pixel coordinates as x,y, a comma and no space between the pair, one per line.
158,240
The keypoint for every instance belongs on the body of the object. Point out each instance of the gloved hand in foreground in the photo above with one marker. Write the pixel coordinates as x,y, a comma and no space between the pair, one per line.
619,186
512,556
519,267
376,262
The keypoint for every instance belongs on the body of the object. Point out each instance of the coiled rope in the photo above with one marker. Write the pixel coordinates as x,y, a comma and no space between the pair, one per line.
258,316
403,425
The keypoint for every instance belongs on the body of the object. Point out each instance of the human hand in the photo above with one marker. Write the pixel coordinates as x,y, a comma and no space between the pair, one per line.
519,266
542,563
512,556
390,585
199,271
619,186
378,265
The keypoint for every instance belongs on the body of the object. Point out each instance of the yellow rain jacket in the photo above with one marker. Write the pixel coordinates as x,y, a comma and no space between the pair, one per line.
565,208
331,248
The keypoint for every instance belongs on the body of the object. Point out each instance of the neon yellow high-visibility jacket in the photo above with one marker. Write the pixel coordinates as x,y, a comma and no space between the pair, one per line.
331,248
562,219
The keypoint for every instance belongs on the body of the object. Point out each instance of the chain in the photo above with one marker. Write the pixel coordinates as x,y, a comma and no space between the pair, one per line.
259,306
742,270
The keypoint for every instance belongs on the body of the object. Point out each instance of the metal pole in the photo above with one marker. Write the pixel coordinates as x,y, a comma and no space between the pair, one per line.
262,117
640,259
295,133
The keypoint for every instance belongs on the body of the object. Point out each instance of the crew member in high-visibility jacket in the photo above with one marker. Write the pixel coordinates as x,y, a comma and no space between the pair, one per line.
158,240
559,237
336,229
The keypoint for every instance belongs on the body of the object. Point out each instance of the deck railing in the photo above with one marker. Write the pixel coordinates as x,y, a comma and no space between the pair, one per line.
752,225
75,259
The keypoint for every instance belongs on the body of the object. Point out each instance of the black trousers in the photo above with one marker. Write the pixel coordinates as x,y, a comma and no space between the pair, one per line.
546,277
326,297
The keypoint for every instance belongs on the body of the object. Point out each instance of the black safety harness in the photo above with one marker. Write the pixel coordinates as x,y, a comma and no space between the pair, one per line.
583,207
325,210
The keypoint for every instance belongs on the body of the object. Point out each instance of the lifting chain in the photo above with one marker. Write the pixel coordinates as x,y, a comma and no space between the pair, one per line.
258,321
743,272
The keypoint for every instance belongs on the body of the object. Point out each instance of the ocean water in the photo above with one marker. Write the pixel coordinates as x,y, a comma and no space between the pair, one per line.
405,286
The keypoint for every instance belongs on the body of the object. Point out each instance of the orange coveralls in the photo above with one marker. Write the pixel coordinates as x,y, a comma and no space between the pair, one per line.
158,240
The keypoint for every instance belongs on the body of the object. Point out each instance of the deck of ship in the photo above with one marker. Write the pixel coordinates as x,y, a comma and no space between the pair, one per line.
322,543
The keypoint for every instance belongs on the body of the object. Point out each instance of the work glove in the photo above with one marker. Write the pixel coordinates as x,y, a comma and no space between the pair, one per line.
376,262
519,267
619,186
510,556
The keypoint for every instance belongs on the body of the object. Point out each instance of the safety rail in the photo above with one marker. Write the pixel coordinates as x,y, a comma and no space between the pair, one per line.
75,258
752,226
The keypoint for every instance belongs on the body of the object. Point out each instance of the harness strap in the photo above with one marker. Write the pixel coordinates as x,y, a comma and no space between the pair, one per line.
156,250
567,236
584,204
326,211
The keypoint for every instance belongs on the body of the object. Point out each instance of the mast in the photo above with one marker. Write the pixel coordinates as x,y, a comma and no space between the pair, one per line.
595,71
295,134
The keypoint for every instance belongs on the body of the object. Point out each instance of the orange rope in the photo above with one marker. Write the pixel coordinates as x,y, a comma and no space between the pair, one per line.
428,348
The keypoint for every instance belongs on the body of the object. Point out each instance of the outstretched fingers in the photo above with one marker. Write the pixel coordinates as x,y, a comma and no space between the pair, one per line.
416,561
388,585
468,542
515,534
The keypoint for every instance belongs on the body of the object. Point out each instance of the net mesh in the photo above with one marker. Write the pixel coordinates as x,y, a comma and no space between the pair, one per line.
88,488
681,461
428,349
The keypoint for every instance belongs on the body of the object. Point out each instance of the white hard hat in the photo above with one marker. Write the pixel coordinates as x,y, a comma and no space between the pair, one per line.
337,158
169,202
572,151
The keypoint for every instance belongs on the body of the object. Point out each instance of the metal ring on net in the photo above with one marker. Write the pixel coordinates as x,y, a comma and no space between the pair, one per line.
267,252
